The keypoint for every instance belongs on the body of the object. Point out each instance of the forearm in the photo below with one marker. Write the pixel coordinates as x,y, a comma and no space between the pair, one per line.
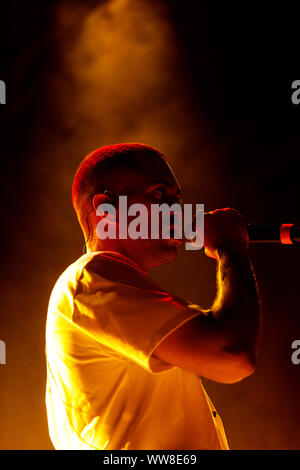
236,307
221,342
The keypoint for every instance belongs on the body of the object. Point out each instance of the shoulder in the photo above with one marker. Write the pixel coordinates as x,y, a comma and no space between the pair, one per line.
99,270
116,268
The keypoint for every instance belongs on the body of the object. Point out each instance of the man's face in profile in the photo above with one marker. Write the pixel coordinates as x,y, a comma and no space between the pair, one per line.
153,184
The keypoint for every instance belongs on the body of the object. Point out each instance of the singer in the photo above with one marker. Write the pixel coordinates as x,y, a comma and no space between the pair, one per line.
125,357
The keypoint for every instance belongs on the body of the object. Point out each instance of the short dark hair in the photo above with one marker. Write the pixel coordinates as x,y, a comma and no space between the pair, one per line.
90,175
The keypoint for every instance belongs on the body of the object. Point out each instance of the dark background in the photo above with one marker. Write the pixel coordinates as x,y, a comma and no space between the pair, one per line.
210,87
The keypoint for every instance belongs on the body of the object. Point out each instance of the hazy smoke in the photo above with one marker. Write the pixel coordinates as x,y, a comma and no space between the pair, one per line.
122,79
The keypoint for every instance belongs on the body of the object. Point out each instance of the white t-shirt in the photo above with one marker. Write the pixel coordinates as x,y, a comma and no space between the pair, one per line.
105,390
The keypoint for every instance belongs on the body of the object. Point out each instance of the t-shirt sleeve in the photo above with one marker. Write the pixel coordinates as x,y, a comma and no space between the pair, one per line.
122,308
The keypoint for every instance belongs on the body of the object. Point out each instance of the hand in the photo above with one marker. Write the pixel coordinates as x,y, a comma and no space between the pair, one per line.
225,229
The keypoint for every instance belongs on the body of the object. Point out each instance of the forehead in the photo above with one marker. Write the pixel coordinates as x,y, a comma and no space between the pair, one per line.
158,170
151,171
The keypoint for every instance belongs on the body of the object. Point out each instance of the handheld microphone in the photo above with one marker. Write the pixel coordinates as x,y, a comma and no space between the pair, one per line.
286,234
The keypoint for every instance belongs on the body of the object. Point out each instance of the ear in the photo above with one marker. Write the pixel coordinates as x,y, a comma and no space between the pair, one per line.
101,198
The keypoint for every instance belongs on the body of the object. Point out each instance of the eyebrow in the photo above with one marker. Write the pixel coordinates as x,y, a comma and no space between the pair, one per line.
165,183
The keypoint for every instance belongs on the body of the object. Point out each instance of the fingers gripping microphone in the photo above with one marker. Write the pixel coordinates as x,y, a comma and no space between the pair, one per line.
286,234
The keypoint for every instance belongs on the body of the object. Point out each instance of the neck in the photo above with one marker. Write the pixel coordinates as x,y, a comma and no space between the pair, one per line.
141,262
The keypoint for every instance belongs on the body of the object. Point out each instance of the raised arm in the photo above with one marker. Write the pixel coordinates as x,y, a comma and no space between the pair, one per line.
221,344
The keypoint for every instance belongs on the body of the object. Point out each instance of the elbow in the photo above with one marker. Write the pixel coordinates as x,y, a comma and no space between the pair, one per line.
240,366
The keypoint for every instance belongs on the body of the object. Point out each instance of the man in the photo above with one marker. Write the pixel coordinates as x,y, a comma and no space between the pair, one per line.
124,356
